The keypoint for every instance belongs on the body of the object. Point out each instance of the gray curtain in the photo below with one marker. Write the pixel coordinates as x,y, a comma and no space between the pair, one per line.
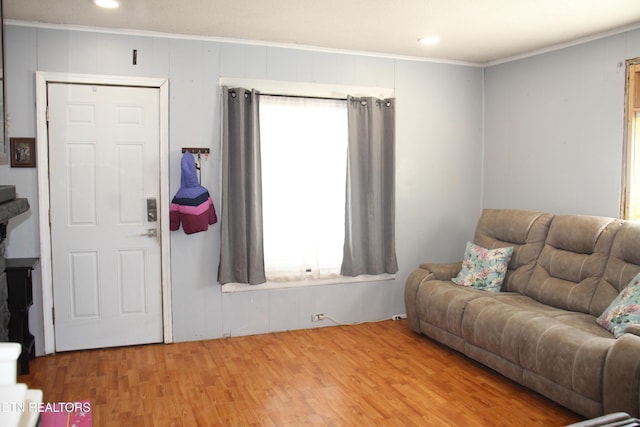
241,246
369,246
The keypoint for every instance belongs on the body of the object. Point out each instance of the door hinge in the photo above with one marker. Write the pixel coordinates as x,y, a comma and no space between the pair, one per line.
46,113
53,315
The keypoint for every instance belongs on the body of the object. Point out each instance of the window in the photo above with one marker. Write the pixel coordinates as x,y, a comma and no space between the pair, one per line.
631,196
266,189
304,159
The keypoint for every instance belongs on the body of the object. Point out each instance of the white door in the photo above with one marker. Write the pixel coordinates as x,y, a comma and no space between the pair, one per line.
104,179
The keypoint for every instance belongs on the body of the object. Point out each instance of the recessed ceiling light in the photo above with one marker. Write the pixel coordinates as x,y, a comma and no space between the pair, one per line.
431,40
107,4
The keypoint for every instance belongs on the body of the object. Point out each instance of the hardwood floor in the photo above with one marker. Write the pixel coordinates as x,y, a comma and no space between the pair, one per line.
374,374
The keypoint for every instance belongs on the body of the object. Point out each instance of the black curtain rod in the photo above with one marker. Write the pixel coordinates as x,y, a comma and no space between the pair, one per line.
303,96
281,95
321,97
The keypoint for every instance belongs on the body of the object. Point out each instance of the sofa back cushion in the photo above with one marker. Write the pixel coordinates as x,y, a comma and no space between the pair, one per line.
524,230
622,266
572,261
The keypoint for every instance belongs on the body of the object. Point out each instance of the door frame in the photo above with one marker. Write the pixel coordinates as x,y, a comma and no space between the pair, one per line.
42,153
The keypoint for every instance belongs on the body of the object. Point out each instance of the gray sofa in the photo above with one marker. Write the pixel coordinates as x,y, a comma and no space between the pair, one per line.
540,330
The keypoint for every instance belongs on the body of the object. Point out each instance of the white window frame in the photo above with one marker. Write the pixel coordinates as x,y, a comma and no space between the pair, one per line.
631,140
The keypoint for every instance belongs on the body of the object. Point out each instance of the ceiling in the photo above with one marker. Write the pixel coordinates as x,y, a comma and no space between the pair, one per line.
471,31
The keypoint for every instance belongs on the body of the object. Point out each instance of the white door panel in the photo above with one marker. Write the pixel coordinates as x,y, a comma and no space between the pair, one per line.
103,165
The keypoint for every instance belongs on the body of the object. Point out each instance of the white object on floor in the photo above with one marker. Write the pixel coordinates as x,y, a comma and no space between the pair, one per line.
19,406
9,353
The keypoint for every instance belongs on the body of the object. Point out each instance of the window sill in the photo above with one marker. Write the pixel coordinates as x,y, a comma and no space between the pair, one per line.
243,287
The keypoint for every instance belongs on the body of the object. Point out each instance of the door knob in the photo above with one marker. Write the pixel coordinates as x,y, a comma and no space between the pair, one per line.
151,232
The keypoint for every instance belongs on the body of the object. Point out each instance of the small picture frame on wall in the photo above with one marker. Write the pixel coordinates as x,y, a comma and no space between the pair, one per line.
23,152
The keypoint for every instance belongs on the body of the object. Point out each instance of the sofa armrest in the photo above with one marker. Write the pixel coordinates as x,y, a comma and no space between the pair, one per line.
621,385
443,271
425,273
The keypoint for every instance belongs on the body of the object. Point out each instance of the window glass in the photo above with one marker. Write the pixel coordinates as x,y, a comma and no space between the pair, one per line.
304,160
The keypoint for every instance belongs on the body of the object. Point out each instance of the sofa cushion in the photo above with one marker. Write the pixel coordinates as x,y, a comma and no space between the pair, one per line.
483,268
623,265
524,230
442,304
566,355
624,310
565,348
572,261
495,326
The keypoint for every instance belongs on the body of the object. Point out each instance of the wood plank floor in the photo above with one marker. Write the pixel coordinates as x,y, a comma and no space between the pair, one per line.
374,374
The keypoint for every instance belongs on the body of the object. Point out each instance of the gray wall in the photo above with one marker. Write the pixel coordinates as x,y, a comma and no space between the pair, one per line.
554,129
439,151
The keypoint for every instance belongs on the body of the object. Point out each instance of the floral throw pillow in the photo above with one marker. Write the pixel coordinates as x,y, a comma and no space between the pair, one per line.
483,268
624,310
